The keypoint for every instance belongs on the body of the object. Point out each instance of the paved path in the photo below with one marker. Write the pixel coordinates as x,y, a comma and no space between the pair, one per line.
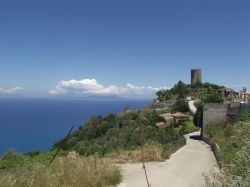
183,169
192,107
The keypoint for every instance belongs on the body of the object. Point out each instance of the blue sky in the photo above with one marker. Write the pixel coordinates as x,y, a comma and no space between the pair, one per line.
121,46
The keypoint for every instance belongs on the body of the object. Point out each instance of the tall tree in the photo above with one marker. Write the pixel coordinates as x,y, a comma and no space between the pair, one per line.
198,117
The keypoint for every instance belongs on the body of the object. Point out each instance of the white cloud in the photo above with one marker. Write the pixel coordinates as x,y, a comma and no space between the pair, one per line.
90,87
11,90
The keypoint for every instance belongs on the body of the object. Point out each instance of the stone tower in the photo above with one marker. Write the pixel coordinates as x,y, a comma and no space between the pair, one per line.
196,76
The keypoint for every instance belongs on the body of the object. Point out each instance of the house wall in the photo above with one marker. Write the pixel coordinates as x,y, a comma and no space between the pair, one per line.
213,114
242,95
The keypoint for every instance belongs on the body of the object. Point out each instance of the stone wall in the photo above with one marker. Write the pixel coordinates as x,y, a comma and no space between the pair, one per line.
162,105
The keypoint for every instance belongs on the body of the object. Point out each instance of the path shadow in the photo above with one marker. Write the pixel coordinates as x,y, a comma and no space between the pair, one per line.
195,137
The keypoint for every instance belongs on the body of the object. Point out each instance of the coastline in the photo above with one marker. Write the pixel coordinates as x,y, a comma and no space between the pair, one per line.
44,121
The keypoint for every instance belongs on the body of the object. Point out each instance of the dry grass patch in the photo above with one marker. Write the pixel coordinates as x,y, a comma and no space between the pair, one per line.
151,153
64,172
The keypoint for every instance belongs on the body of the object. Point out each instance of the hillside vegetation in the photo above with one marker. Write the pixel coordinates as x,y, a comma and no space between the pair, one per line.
206,92
118,132
234,143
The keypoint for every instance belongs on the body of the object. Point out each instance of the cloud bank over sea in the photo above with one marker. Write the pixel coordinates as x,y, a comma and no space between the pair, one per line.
91,87
11,91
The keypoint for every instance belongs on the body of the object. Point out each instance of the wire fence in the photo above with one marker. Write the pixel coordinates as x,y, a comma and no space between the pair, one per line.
178,144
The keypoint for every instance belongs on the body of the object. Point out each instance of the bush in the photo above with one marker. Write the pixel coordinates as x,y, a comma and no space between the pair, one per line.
33,153
189,127
10,161
213,98
164,95
244,117
11,155
212,86
180,106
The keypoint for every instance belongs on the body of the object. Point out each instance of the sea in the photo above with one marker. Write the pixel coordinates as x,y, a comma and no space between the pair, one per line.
36,124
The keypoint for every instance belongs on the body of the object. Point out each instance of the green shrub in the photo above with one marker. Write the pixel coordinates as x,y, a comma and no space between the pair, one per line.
13,159
164,95
180,106
244,117
11,155
188,127
213,98
33,153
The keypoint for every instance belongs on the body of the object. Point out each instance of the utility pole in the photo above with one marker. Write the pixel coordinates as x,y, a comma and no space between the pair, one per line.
60,146
244,91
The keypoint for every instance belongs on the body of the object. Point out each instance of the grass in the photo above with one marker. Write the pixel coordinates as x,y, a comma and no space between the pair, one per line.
74,170
11,159
234,144
226,138
70,171
189,127
152,152
244,117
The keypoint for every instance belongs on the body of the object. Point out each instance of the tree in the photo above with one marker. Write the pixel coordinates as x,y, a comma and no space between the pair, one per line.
163,95
197,85
181,89
198,117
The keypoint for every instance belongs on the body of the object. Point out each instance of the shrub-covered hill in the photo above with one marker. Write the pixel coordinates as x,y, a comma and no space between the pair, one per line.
101,135
207,92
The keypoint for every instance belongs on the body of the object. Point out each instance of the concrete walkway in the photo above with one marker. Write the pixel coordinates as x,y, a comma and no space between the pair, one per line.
183,169
192,107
